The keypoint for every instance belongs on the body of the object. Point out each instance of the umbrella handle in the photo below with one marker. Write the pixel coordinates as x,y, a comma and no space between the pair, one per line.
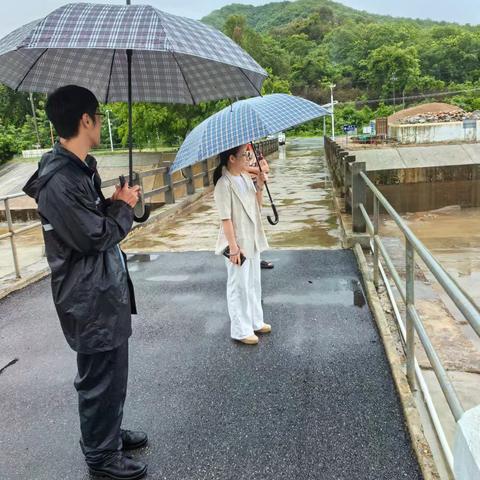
274,208
144,217
146,208
275,214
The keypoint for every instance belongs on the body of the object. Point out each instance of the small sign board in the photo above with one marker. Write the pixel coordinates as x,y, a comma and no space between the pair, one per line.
469,123
349,128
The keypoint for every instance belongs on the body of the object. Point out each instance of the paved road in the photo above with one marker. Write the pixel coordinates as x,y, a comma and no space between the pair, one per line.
314,400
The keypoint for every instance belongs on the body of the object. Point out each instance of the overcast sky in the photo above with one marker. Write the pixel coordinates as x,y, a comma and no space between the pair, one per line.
14,13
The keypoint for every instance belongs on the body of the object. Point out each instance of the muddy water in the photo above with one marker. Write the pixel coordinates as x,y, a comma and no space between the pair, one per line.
452,234
415,197
301,191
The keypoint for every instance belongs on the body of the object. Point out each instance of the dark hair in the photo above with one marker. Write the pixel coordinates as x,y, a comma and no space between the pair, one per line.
224,156
65,107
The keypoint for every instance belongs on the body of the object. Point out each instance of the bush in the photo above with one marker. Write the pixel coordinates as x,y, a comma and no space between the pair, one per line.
8,144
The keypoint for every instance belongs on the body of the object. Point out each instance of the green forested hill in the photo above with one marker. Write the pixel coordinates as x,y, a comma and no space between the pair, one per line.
277,14
308,44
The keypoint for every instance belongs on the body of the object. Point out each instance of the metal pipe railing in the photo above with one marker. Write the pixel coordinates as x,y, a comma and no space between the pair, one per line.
437,424
358,184
413,322
13,233
470,311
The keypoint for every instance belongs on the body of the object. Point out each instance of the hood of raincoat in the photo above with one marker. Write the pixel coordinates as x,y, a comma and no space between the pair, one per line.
51,163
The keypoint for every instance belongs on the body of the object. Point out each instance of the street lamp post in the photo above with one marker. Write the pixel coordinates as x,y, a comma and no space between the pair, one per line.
332,86
394,79
109,129
35,120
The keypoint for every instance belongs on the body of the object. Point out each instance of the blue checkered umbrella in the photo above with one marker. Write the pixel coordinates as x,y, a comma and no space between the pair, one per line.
243,122
127,53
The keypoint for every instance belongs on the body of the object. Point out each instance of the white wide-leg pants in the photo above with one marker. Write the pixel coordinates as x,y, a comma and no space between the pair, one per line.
244,297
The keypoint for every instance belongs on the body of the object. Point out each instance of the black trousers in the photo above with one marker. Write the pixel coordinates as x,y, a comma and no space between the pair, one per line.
101,384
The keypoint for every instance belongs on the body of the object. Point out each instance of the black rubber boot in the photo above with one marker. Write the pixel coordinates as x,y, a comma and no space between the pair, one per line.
133,440
119,467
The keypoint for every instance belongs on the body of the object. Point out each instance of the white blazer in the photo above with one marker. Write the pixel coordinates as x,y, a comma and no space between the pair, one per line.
244,212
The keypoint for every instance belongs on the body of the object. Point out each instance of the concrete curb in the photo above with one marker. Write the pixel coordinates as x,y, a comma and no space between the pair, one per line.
349,239
161,215
23,282
397,364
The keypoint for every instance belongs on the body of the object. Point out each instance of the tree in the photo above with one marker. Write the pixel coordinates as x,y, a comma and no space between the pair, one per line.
235,27
391,66
274,84
311,70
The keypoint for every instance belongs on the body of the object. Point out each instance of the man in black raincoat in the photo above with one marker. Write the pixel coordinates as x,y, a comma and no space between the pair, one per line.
91,288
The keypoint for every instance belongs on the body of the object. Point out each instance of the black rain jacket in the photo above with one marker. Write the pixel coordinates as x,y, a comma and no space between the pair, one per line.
91,288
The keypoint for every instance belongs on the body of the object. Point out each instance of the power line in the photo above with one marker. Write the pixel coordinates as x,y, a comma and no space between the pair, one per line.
411,97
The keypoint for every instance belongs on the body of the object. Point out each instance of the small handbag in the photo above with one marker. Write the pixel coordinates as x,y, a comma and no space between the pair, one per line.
226,253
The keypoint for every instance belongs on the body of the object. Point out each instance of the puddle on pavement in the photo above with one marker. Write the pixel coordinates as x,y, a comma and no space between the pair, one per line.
168,278
142,258
324,291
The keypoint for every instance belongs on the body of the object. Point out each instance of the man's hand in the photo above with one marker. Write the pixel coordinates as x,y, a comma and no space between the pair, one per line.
115,193
127,194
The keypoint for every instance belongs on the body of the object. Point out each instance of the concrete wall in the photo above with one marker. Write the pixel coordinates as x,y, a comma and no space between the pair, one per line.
434,133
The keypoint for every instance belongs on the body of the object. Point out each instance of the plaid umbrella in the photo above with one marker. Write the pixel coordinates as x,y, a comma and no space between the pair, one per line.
127,53
243,122
174,59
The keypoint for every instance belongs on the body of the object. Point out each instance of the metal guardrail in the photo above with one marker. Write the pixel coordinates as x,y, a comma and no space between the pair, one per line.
168,188
351,179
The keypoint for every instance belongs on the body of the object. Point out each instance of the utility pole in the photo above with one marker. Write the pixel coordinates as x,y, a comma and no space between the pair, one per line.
35,120
109,129
51,134
332,86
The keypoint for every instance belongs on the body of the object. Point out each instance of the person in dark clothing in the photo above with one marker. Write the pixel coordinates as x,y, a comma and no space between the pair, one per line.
91,287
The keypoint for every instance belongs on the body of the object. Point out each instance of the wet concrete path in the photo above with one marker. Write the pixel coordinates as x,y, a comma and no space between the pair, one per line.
314,400
301,189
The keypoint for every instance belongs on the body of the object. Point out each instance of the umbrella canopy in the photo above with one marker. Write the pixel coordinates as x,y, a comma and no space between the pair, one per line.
243,122
174,59
127,53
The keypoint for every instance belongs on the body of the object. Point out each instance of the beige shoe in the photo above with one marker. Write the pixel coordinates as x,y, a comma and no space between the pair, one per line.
251,340
265,329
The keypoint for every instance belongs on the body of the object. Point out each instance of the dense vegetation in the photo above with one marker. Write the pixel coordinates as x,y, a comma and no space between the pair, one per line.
305,46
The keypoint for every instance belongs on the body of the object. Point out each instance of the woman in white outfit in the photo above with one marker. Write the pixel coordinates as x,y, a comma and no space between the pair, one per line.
238,203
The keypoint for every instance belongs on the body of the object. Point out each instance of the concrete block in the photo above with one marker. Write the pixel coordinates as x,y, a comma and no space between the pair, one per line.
466,452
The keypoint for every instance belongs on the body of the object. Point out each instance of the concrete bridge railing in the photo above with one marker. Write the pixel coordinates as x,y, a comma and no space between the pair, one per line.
352,182
160,188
